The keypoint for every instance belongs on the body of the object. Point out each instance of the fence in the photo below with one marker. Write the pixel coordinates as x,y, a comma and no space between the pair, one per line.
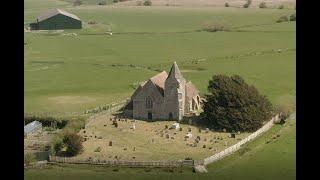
237,146
71,160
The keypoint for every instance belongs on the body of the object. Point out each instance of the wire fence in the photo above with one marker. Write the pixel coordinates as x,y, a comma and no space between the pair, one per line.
72,160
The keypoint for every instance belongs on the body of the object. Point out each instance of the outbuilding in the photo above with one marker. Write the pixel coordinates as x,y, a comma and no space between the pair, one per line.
56,19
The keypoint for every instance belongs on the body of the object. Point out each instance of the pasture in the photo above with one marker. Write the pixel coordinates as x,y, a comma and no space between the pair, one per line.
66,73
263,161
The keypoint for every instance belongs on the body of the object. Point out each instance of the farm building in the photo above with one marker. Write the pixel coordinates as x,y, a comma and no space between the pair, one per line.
56,19
32,127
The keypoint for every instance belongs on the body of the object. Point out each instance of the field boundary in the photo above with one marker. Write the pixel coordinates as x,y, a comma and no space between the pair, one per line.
71,160
238,145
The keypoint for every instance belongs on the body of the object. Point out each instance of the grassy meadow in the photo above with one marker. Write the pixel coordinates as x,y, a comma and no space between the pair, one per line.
262,161
65,73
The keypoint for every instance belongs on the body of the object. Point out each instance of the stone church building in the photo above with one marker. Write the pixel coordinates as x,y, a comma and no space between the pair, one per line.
164,96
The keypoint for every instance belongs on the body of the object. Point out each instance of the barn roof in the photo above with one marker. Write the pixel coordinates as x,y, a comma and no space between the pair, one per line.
54,12
191,90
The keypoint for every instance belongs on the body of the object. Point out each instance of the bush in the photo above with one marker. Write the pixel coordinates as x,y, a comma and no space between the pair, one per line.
293,17
226,4
283,18
147,3
77,2
47,121
232,104
262,5
29,158
115,1
247,4
73,144
98,149
281,6
102,3
213,27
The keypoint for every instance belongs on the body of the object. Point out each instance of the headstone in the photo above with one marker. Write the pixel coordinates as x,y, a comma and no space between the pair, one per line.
110,143
190,121
134,148
167,136
204,146
207,130
233,135
224,130
189,129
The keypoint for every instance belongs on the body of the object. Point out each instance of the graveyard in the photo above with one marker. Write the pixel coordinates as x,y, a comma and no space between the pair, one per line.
142,140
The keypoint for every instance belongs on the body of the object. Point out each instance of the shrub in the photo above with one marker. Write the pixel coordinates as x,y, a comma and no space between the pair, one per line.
226,4
283,18
102,3
73,143
115,1
98,149
77,2
262,5
293,17
247,4
213,27
29,158
281,6
147,3
47,121
232,104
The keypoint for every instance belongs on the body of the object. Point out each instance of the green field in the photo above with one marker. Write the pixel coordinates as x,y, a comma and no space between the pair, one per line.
72,73
275,160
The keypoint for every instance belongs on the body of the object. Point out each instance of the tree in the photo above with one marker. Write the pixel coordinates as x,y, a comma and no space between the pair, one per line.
234,105
247,4
293,17
73,144
147,3
262,5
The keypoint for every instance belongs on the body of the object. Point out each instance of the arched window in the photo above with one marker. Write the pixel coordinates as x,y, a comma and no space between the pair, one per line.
149,103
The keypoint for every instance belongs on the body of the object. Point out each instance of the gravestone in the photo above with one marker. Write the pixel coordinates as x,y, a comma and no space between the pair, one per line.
110,143
189,129
207,130
167,136
190,121
233,135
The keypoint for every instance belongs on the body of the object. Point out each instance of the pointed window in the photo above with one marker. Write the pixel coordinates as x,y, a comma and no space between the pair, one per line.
149,103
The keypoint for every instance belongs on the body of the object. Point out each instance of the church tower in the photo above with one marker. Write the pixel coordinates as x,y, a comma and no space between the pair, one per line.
174,94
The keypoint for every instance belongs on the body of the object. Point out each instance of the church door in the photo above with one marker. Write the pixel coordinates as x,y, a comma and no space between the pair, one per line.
170,116
149,115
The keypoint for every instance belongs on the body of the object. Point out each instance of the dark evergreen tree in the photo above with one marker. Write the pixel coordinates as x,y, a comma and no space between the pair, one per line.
234,105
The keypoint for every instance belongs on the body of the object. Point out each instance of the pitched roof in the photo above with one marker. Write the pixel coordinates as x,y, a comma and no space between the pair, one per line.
175,71
159,80
54,12
191,90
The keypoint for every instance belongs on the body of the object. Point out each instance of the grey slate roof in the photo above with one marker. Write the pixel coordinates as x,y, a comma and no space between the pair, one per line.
54,12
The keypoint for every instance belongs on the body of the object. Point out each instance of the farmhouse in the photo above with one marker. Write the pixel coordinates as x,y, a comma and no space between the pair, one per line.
56,19
164,96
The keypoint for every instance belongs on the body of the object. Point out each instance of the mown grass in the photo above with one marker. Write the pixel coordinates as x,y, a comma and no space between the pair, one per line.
262,161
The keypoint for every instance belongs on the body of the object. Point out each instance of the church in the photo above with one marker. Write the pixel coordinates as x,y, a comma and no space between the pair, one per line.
164,97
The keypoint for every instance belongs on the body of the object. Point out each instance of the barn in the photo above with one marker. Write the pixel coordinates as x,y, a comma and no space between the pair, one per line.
56,19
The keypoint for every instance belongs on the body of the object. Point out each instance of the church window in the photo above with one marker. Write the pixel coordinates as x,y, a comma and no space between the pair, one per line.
149,103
